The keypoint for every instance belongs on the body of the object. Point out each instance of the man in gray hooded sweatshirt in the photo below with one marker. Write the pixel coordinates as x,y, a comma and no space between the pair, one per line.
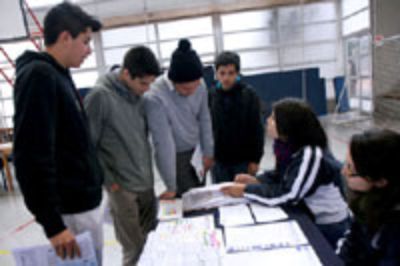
179,120
119,132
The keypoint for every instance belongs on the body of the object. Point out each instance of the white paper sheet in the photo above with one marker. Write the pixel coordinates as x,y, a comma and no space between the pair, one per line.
299,256
197,162
235,215
169,209
45,255
264,214
184,226
264,236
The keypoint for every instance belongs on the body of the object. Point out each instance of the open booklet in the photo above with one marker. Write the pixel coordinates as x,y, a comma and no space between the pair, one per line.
208,197
240,214
299,256
264,237
44,255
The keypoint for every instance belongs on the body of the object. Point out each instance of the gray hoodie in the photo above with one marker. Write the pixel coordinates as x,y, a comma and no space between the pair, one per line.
177,124
119,132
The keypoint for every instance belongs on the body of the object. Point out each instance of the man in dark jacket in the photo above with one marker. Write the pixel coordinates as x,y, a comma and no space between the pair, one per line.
55,162
236,120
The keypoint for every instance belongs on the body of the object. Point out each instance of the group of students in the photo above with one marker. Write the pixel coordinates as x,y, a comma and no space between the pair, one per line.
66,149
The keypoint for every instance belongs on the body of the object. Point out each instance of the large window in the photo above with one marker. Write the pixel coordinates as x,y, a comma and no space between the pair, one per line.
6,105
6,90
358,72
308,37
116,42
284,38
253,35
198,30
86,75
268,40
357,47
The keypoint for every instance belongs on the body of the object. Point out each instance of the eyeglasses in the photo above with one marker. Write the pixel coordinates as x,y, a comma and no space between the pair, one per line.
351,171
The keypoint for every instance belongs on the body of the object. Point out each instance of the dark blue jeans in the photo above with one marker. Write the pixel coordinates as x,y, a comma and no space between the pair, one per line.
335,231
222,172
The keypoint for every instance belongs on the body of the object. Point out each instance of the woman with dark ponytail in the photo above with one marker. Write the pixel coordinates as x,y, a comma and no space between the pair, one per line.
373,176
306,174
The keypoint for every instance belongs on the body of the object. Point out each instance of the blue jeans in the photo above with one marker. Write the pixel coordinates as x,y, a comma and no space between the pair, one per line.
222,172
334,231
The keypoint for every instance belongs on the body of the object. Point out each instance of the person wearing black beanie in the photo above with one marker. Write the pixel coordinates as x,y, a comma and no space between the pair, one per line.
179,121
185,65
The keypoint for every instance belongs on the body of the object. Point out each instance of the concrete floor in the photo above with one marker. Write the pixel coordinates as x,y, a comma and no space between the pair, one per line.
17,228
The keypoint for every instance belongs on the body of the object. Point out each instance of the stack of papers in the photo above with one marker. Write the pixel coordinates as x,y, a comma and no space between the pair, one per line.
45,255
235,215
265,214
187,241
169,209
208,197
264,237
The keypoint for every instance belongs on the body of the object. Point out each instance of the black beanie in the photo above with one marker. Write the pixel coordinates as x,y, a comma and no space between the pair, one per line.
185,64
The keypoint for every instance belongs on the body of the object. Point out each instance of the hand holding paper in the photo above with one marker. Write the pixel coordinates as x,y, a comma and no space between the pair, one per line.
235,190
65,245
167,195
207,164
246,179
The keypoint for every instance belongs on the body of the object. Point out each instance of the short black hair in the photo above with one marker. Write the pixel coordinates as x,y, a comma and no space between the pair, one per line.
140,61
67,17
297,123
228,58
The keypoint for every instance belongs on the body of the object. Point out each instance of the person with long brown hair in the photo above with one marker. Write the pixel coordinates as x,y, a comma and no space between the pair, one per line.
373,178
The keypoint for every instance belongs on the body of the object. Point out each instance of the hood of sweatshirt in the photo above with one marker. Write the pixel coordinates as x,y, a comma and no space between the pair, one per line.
111,82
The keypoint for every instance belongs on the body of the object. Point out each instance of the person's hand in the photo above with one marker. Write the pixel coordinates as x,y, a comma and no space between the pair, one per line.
246,179
235,190
252,168
65,245
167,195
114,187
359,184
208,162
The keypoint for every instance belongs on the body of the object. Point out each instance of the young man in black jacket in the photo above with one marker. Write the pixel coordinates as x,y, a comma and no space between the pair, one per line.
236,120
55,162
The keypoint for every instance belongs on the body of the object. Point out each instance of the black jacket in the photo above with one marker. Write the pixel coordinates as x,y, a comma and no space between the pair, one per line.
381,249
309,180
237,125
55,161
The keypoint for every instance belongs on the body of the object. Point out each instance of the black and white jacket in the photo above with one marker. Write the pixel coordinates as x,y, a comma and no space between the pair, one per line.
310,179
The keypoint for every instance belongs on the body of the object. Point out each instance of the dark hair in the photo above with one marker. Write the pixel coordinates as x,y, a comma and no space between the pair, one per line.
375,154
141,61
298,124
67,17
228,58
